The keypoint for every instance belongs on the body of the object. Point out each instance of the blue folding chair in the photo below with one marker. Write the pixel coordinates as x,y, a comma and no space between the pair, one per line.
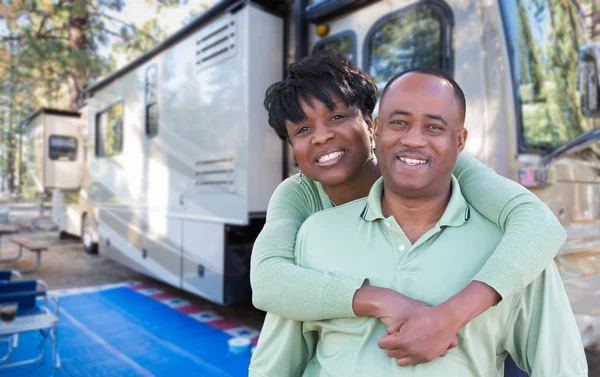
8,275
30,316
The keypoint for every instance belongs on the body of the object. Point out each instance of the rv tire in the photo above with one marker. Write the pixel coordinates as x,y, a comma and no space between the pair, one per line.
89,245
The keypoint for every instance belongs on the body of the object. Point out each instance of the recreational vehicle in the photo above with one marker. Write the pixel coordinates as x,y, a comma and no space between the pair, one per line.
56,161
55,153
181,162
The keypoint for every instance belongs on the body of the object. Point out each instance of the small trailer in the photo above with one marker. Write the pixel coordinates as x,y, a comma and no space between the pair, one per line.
56,154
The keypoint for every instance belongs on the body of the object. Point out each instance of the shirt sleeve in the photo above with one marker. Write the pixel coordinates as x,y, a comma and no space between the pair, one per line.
281,287
282,349
542,336
532,235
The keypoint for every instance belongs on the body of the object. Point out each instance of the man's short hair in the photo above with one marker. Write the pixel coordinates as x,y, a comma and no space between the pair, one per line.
318,76
458,92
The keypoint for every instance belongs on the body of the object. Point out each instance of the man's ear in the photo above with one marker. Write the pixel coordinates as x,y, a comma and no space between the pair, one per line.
462,139
376,128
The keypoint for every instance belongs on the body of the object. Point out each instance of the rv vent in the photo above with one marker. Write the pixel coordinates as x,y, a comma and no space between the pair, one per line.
219,172
216,43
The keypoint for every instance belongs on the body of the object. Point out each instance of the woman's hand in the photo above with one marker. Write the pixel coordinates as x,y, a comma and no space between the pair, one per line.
420,335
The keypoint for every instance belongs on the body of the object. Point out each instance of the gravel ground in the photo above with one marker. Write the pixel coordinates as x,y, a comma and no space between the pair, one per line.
65,265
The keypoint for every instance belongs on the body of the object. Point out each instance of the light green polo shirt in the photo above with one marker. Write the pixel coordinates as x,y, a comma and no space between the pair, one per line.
536,326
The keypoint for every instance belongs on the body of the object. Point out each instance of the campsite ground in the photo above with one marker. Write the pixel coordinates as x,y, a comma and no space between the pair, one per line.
65,265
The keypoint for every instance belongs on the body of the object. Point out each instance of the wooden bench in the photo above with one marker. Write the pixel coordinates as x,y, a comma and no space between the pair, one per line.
33,246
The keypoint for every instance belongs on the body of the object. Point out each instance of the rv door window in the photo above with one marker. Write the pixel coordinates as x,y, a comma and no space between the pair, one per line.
343,44
417,36
62,148
151,101
109,131
544,38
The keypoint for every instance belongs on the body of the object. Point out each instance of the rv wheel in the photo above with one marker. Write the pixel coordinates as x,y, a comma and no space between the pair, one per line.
89,246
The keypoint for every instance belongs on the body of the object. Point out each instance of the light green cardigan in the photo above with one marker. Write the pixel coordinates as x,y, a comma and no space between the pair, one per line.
532,238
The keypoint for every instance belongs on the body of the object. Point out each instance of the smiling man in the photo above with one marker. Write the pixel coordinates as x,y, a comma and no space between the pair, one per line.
416,234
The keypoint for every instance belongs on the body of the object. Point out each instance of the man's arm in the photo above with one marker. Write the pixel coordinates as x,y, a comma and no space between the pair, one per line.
542,336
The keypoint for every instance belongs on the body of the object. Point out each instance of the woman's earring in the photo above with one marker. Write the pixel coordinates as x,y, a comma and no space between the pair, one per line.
372,148
299,177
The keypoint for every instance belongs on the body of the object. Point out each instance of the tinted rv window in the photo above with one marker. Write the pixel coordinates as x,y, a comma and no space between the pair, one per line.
109,131
412,37
343,44
151,101
544,39
62,148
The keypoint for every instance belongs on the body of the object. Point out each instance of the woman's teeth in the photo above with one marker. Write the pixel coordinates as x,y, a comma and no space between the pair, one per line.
329,156
412,162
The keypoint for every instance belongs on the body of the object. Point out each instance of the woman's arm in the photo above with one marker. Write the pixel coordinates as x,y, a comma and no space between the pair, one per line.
532,234
278,285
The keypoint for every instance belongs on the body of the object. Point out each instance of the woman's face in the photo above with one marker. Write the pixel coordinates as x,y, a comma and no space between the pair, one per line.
331,146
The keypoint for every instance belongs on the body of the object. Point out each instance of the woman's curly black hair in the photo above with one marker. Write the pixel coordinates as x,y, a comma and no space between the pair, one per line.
318,76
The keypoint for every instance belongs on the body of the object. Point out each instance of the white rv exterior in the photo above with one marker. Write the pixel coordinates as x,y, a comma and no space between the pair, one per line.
176,161
181,162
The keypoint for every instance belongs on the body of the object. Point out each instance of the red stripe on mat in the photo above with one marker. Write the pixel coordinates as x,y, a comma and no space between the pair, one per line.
223,324
189,309
162,296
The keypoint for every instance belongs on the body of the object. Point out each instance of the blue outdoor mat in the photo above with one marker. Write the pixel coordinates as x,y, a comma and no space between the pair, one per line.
120,332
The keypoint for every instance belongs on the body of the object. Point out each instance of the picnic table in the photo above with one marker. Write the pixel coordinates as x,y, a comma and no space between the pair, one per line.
4,230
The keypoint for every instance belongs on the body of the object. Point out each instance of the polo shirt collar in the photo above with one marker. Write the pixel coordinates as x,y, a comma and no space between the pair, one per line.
456,213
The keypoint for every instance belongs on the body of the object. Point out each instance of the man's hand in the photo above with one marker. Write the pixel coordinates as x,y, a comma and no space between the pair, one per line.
420,335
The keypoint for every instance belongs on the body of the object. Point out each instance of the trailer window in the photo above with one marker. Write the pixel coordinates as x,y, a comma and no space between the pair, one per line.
151,101
343,44
62,148
109,131
544,39
416,36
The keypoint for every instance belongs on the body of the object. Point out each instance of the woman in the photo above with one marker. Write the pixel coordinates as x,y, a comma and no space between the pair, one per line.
323,110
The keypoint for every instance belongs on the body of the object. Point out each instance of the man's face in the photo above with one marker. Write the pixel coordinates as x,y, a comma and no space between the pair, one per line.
418,135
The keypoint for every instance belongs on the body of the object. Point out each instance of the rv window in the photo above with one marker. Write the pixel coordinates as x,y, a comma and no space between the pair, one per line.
544,38
343,44
413,37
151,101
62,148
109,131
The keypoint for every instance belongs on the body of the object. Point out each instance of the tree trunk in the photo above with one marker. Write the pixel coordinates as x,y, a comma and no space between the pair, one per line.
10,156
77,44
596,21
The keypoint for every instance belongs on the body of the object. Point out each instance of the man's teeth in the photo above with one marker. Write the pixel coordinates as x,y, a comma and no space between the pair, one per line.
329,157
412,162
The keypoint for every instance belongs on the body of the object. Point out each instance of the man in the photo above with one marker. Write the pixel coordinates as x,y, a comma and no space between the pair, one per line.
416,234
